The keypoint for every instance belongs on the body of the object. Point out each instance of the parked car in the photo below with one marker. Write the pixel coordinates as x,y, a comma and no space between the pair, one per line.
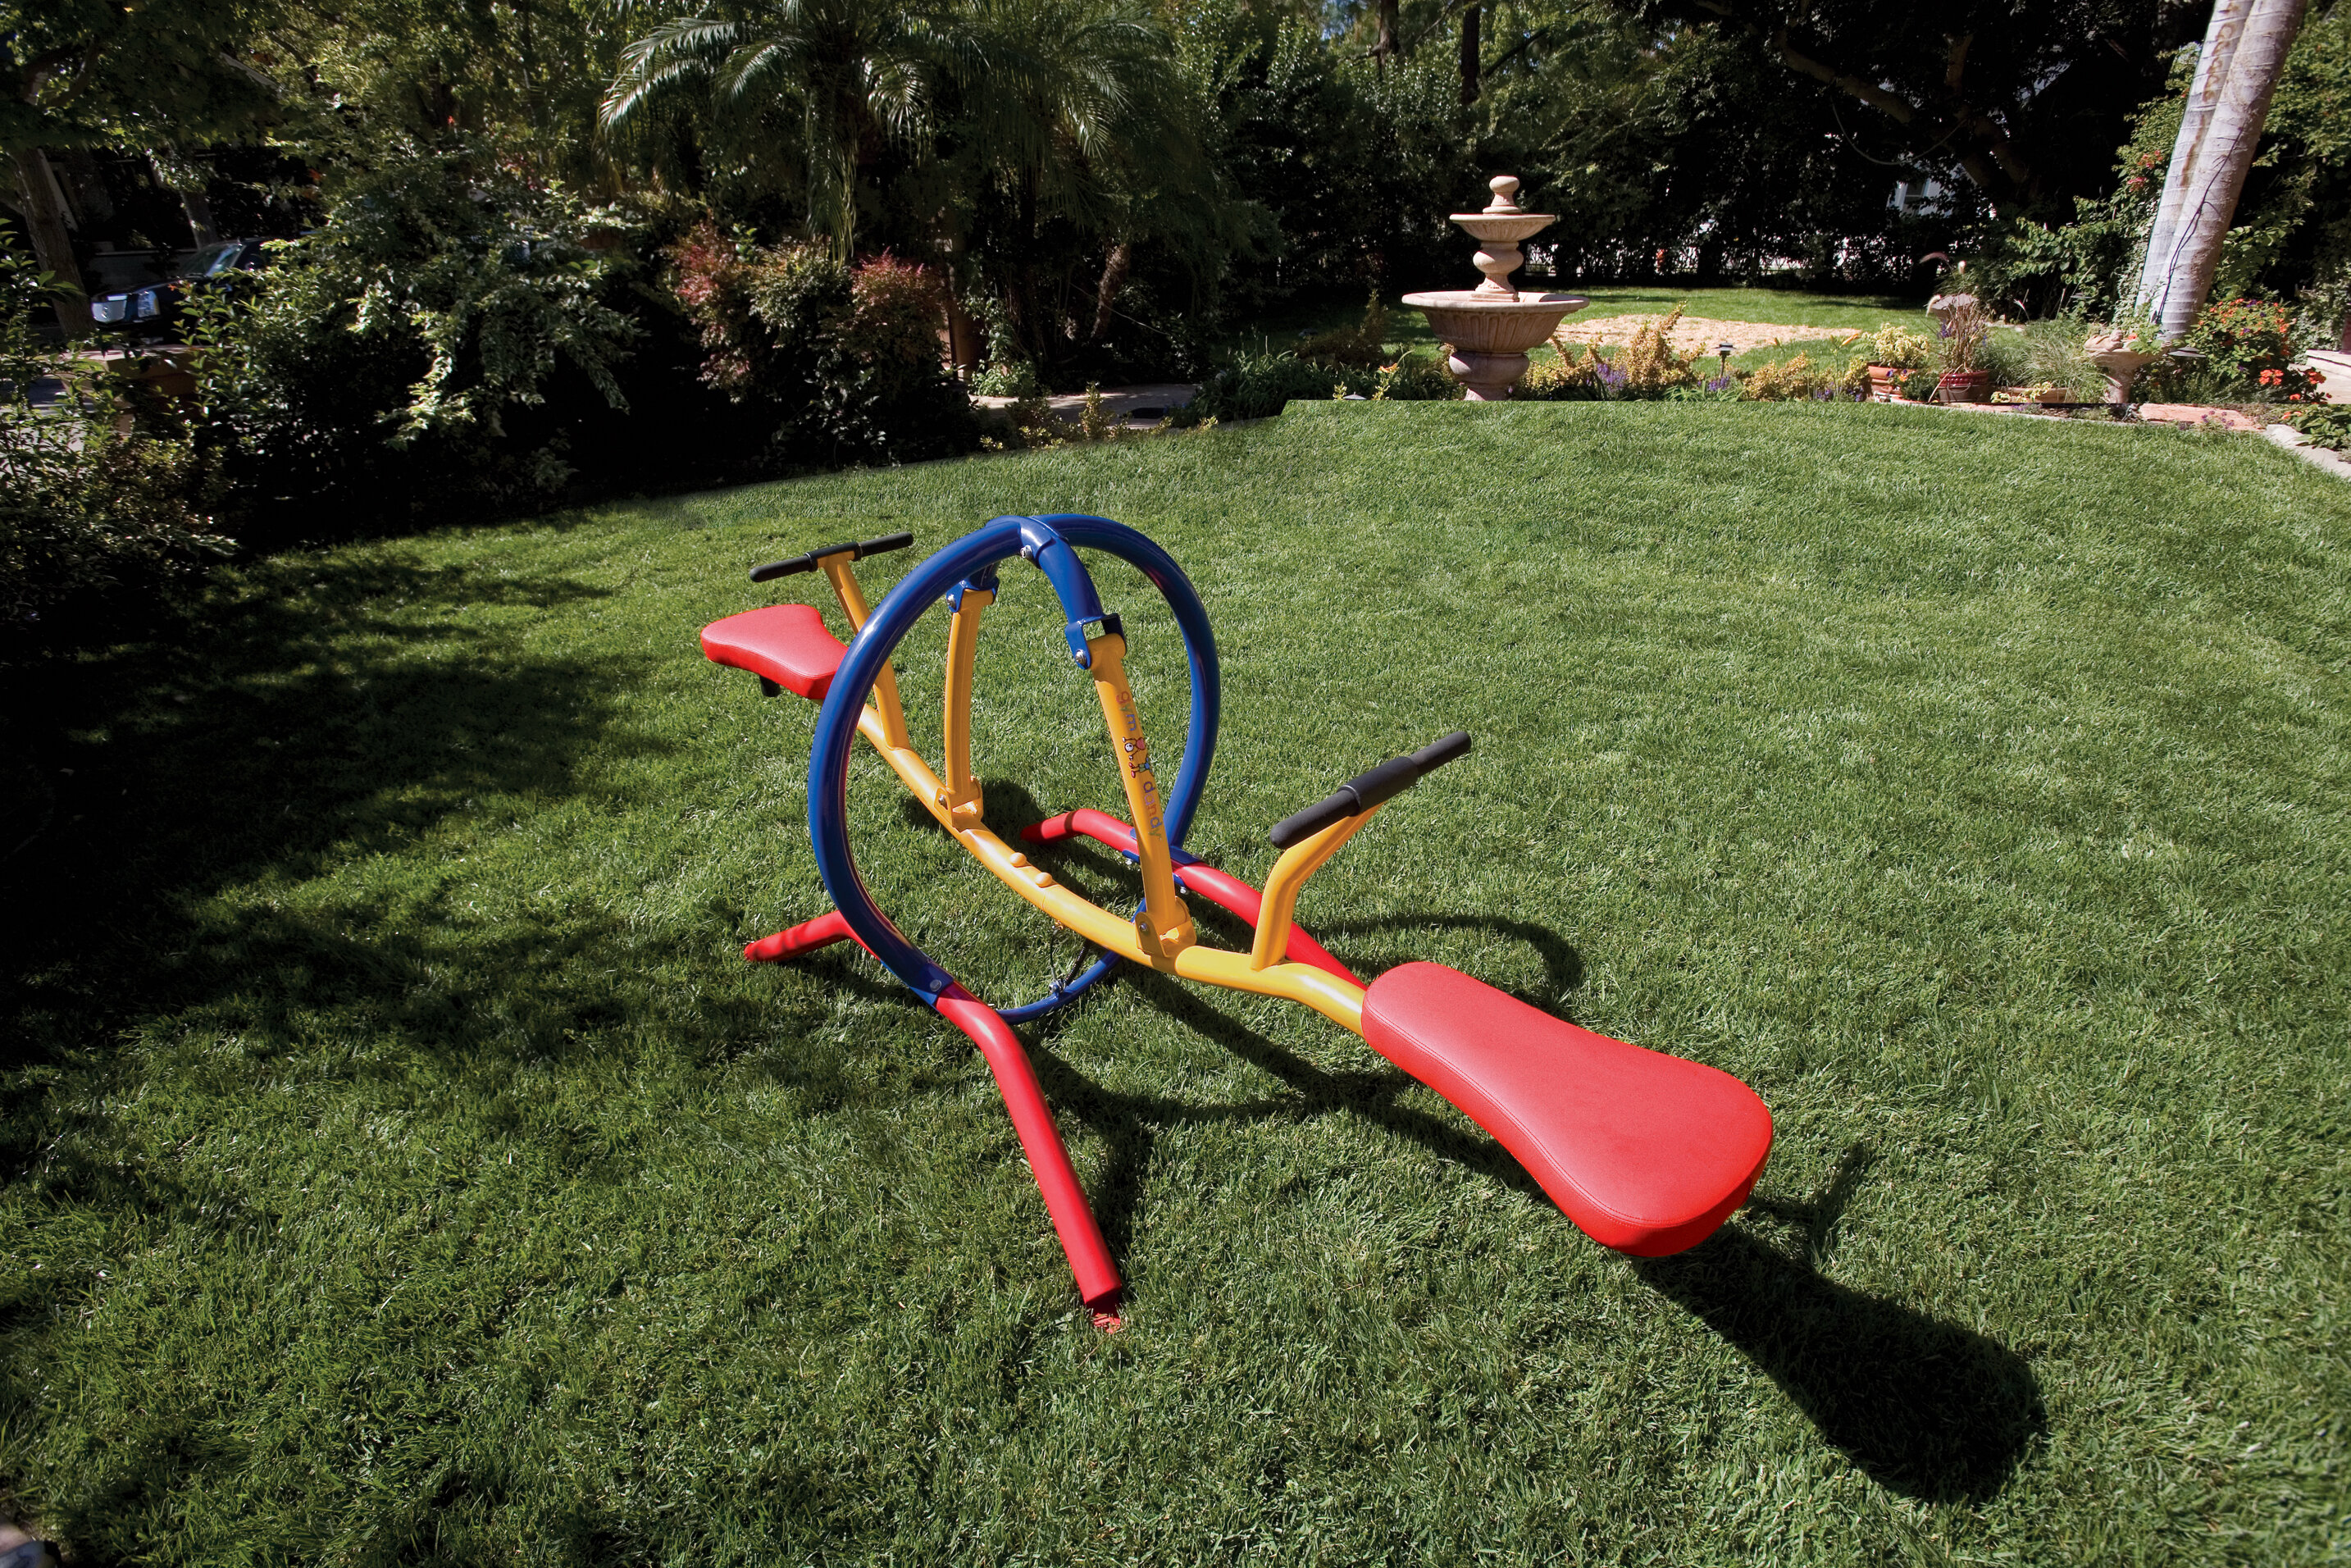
154,311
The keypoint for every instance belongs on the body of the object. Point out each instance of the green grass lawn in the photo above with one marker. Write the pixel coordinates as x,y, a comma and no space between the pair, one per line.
404,1167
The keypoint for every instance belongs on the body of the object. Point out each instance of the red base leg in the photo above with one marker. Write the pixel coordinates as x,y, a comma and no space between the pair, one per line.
1065,1200
806,937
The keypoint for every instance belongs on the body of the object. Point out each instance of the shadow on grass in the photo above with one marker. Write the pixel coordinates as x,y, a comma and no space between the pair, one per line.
311,716
1923,1406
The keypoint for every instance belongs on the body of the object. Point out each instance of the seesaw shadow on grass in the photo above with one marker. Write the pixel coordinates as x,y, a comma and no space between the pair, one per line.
1922,1406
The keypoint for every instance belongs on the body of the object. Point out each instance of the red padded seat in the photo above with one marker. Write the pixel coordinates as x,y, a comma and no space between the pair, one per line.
787,643
1647,1153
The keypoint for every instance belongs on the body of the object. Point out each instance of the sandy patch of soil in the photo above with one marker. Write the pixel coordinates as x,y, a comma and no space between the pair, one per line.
1694,334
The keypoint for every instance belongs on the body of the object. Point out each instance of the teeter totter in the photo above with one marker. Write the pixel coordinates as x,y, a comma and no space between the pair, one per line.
1647,1153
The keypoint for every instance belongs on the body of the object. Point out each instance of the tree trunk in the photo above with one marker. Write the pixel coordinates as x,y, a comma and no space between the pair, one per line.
963,339
1384,48
45,219
2227,25
1469,56
2244,54
199,208
171,172
1113,278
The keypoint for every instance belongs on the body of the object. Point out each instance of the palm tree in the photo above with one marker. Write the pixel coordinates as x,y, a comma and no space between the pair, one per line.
2244,54
998,121
855,73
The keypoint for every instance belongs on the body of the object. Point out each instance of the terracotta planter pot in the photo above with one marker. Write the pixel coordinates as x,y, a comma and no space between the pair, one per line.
1884,383
1964,386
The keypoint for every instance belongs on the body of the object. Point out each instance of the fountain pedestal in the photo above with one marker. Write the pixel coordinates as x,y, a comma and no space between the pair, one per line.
2112,353
1490,329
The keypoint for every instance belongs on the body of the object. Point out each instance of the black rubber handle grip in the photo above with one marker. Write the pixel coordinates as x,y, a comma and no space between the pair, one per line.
1367,789
857,551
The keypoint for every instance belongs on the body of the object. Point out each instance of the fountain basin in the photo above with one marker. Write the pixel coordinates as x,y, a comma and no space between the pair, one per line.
1489,334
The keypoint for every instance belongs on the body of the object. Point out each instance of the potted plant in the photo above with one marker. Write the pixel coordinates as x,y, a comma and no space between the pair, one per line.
1964,330
1893,355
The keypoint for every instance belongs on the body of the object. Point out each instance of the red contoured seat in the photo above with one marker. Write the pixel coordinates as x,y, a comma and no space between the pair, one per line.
1649,1153
787,643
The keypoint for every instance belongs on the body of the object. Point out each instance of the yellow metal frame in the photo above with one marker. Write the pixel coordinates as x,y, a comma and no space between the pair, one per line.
1161,936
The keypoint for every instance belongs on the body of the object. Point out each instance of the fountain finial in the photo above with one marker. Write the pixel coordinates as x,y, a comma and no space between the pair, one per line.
1506,194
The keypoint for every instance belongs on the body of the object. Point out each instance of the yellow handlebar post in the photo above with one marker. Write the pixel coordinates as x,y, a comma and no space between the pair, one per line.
963,800
1288,879
1165,926
852,604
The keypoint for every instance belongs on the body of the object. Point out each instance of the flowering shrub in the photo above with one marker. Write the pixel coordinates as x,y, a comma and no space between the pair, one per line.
2240,339
1586,376
1797,379
1645,368
2294,386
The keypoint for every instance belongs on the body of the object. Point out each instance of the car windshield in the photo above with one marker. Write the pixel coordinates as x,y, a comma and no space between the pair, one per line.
213,260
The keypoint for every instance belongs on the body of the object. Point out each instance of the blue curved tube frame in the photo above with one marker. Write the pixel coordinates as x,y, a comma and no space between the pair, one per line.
1048,540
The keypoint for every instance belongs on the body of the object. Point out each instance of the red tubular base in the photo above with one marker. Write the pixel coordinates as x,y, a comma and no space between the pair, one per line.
1065,1200
806,937
1227,892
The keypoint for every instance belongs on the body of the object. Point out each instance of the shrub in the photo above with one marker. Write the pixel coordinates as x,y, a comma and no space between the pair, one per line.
1257,385
843,363
1787,381
2240,339
1361,345
2326,427
1900,348
92,500
428,346
1008,378
1650,366
1584,377
1646,369
1035,426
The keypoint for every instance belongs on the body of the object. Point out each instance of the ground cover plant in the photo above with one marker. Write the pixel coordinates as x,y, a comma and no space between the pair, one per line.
404,1167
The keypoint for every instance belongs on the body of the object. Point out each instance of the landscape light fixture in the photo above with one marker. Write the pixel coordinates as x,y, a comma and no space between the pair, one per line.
1726,350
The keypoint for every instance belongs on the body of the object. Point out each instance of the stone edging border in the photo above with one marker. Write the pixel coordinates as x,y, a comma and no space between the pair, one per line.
2285,435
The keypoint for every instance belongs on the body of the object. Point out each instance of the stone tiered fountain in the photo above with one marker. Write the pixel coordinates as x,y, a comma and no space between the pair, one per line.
1491,328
